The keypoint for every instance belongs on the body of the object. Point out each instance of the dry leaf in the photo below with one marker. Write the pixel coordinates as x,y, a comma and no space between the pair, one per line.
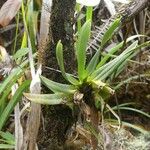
8,11
6,63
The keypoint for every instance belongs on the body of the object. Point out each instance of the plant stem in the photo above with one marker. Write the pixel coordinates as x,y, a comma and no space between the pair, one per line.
79,24
89,13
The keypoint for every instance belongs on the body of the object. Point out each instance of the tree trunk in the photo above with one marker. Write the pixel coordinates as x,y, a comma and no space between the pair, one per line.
58,119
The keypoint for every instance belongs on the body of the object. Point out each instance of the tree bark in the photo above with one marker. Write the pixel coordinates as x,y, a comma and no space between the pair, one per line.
58,119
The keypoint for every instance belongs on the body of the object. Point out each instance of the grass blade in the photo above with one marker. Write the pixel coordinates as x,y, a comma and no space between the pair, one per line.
13,74
5,93
126,124
135,110
9,108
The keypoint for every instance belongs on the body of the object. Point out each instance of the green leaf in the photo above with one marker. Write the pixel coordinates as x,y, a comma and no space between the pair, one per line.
109,33
108,72
3,99
57,87
47,99
107,36
11,78
121,67
24,40
121,105
135,110
6,146
20,53
10,139
115,49
32,21
109,68
72,80
60,60
25,35
133,126
81,46
14,100
93,63
5,93
17,71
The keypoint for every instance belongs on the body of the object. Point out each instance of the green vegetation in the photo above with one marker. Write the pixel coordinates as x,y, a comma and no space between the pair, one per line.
87,92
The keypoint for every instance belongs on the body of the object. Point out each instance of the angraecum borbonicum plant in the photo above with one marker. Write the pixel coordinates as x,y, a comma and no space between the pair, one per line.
89,90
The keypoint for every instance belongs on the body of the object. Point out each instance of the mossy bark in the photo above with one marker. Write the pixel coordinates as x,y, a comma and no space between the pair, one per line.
58,119
61,28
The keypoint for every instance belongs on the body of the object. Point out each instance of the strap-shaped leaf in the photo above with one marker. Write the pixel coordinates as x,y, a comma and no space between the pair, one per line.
57,87
135,110
109,33
60,59
7,146
32,20
109,71
12,77
6,92
47,99
81,46
126,124
115,49
72,80
8,137
9,108
17,71
128,80
107,36
106,70
20,53
119,61
121,66
93,63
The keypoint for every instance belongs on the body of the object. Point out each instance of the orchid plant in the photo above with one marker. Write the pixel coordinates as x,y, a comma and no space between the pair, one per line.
90,88
88,91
